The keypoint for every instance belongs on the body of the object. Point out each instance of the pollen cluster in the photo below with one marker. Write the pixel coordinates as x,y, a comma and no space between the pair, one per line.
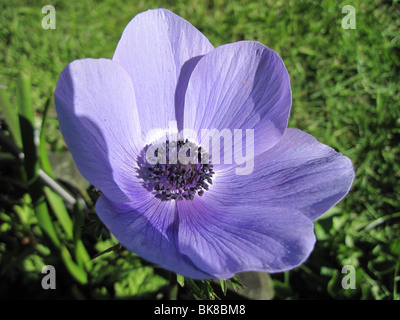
182,173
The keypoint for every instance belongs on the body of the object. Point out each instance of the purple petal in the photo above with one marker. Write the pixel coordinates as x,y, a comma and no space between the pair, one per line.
202,242
150,229
243,85
153,48
96,109
299,173
223,241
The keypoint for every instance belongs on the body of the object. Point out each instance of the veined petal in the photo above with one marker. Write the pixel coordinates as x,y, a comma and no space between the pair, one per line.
96,109
153,49
149,229
243,85
223,241
203,242
299,173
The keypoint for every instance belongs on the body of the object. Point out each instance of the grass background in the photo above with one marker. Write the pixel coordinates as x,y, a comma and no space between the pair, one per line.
345,93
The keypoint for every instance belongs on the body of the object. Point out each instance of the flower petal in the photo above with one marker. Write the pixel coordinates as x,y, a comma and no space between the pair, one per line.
223,241
203,242
150,229
243,85
96,109
153,48
299,173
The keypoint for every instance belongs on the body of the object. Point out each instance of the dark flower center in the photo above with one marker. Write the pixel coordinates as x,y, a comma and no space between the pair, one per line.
181,171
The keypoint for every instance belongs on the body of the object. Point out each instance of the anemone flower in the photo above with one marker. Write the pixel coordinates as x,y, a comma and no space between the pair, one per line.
199,219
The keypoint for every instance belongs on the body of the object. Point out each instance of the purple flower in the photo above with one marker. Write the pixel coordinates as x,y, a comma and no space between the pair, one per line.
201,220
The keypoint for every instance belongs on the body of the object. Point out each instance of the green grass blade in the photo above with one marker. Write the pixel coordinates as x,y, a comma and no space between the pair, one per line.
26,116
81,254
43,156
24,97
45,222
8,145
60,211
10,114
31,163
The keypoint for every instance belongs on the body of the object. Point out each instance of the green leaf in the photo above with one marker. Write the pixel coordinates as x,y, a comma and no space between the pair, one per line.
235,283
74,269
395,247
82,256
224,287
45,222
211,295
198,293
24,211
181,280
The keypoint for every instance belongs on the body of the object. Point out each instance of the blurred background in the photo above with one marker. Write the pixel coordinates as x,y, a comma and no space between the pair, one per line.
345,86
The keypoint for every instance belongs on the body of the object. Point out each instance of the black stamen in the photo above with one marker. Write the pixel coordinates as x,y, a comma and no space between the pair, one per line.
178,181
